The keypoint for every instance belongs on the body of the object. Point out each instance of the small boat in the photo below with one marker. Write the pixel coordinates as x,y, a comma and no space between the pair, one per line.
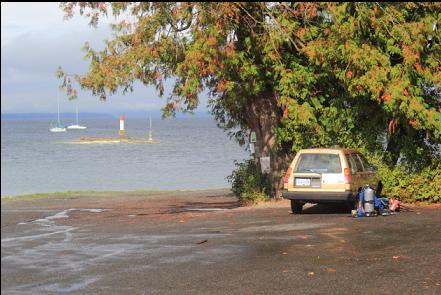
58,127
76,126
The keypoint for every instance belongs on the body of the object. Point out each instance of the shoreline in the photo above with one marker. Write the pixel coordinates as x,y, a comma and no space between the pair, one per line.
93,193
178,192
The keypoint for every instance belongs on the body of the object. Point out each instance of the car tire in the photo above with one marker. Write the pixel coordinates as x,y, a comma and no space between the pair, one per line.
296,207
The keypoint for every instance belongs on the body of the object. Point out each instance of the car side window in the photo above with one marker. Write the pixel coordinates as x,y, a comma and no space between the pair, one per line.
351,163
364,162
357,161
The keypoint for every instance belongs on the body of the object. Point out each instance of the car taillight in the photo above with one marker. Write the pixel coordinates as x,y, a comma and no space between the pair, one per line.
347,175
288,173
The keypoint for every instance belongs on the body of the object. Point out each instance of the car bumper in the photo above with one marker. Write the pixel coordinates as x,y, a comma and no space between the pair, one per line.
318,197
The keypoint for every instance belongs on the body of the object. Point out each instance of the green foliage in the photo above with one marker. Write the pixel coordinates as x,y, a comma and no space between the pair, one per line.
408,186
364,82
248,183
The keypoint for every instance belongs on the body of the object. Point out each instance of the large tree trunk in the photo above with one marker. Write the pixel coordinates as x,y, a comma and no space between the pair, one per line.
263,115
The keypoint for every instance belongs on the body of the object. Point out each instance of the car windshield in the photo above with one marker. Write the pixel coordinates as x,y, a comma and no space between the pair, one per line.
319,163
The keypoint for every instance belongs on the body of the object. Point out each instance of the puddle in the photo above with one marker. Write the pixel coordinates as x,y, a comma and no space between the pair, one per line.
94,210
50,226
65,231
73,287
64,214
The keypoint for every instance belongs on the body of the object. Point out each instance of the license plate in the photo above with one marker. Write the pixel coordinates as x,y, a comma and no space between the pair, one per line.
303,181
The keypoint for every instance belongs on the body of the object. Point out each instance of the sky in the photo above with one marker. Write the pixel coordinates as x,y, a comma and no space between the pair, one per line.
35,40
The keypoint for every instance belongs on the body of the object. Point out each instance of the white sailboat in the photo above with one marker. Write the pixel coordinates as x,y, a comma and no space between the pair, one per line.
77,126
58,127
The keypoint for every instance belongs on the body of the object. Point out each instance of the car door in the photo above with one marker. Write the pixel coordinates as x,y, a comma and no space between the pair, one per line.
368,175
355,168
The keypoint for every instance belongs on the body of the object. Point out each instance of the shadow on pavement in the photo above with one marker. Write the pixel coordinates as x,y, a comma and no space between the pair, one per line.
327,209
202,206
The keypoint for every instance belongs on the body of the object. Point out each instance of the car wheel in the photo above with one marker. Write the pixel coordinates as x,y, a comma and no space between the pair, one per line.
296,207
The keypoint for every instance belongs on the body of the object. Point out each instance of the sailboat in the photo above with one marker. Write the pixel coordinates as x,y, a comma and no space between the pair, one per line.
77,126
58,127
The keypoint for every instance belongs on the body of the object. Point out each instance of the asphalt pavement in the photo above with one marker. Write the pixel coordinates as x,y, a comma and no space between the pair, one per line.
205,243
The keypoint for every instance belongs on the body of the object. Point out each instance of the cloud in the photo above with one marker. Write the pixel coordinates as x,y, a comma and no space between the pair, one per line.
35,41
40,52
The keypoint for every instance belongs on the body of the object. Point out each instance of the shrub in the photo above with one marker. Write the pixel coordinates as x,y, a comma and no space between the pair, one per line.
248,183
408,186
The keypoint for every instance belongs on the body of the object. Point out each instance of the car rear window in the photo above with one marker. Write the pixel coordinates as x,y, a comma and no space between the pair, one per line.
319,163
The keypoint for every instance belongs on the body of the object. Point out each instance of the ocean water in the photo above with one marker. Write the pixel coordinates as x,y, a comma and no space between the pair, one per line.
193,153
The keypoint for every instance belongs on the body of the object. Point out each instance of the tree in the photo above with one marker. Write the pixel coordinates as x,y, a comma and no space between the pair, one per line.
373,79
300,75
